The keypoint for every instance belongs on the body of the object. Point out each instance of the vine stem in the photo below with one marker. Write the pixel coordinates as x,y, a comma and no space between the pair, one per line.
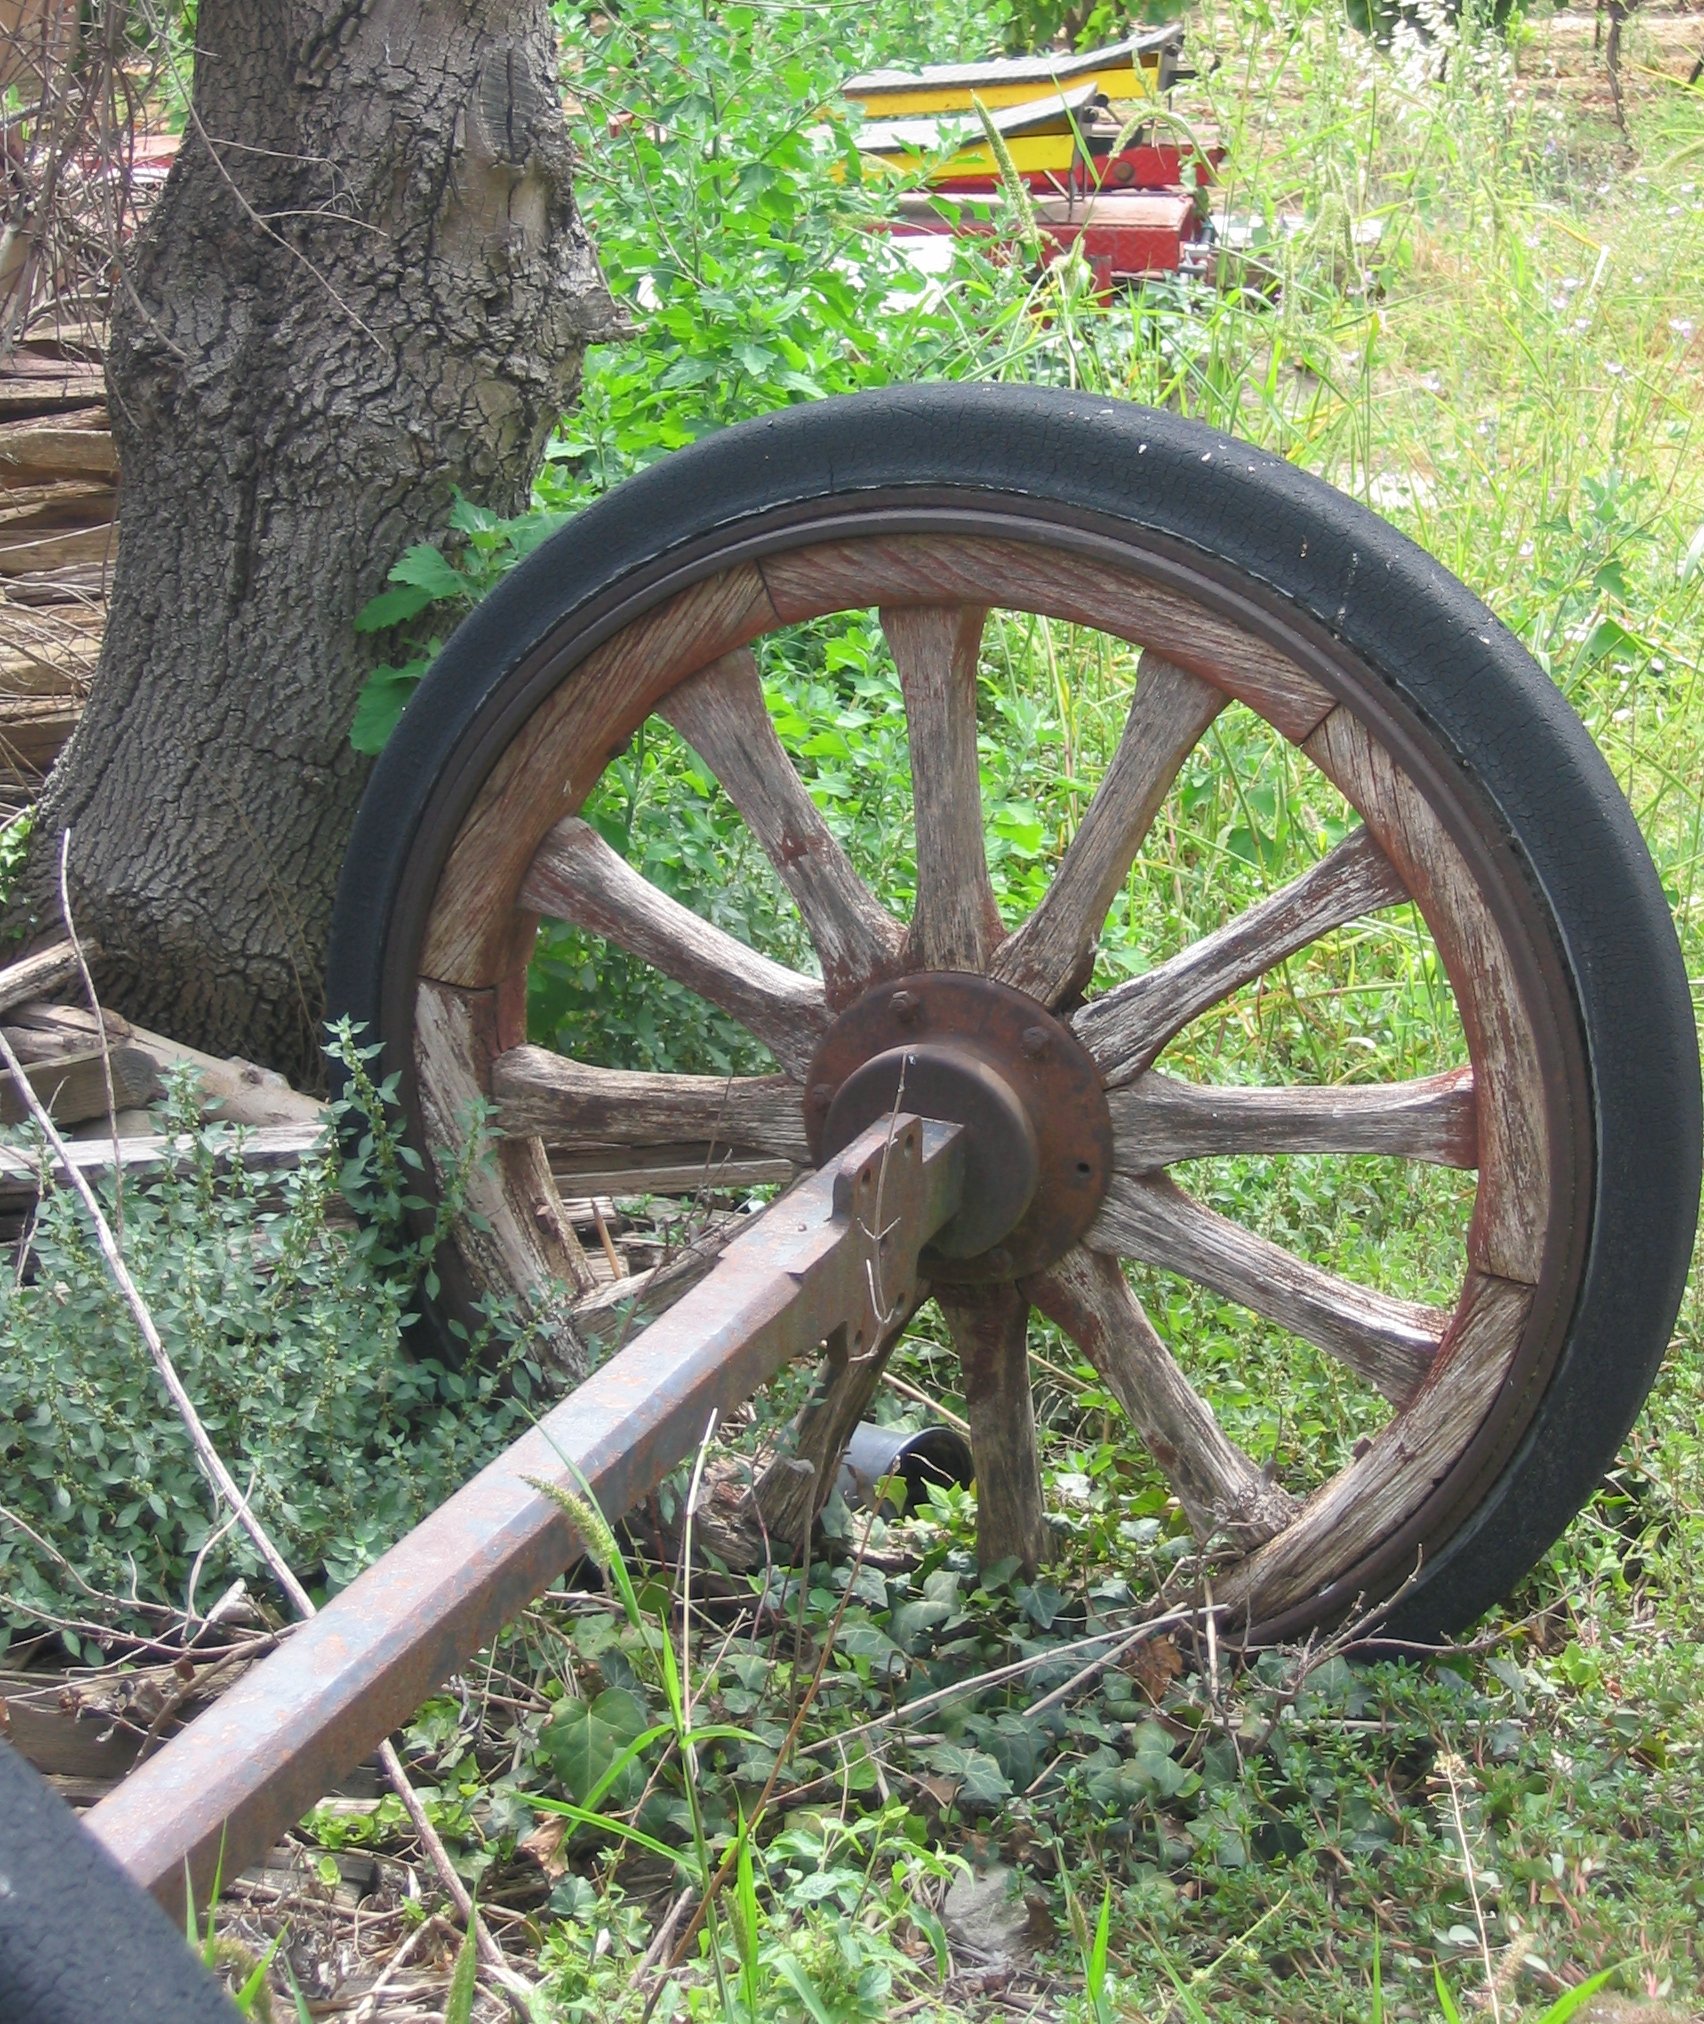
224,1487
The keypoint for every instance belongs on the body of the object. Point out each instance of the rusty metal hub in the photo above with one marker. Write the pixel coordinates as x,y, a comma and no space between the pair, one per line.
1038,1140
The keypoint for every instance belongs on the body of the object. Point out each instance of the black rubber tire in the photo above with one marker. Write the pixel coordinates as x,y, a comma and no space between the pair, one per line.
79,1942
1455,682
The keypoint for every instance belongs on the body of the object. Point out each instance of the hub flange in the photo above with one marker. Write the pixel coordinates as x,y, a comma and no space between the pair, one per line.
1038,1139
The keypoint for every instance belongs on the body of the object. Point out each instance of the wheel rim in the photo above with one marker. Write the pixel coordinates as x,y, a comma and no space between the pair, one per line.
1209,637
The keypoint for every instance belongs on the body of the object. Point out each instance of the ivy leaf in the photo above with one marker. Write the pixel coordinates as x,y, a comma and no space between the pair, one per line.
586,1739
980,1780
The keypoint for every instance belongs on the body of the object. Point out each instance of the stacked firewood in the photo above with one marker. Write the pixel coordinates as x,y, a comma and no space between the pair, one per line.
57,534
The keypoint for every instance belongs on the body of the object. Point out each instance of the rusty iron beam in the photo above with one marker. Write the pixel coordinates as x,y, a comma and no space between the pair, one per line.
838,1251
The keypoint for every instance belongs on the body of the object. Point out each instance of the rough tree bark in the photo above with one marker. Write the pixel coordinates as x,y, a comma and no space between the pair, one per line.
365,285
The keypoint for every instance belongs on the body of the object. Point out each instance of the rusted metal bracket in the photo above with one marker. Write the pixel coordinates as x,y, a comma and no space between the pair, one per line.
837,1252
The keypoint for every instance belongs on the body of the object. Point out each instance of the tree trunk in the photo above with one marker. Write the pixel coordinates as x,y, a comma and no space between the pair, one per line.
364,287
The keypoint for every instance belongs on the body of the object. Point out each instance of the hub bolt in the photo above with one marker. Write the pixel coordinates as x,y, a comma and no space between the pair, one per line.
1034,1041
905,1006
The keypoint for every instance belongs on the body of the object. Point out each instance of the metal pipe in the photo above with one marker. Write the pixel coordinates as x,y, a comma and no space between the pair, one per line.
837,1252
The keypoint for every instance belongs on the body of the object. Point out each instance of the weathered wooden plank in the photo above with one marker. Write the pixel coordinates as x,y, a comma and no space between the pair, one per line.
1052,953
268,1149
953,569
722,714
1391,1343
1513,1211
1158,1119
1128,1027
1224,1496
669,1170
576,877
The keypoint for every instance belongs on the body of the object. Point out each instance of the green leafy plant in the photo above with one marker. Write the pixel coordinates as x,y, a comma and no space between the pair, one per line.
288,1326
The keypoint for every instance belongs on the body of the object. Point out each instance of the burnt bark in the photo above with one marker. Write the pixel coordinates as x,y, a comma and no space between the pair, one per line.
365,286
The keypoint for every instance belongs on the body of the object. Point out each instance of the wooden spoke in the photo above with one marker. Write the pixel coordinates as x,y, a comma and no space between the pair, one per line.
934,648
1128,1027
1051,955
1390,1343
990,1330
1158,1119
798,1478
722,714
1224,1496
569,1103
577,877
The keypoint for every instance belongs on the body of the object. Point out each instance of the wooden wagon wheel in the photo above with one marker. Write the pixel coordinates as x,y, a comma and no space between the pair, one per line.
1230,583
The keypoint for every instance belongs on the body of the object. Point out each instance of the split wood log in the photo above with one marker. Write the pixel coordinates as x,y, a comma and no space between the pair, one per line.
234,1091
33,496
84,584
73,1087
34,730
42,656
28,551
32,385
47,970
76,443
